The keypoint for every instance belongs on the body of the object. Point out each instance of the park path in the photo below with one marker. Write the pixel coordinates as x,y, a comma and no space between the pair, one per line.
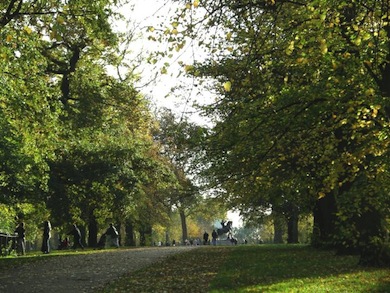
81,272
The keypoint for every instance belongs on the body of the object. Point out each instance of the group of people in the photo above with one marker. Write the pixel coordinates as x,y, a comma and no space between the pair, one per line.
214,236
111,236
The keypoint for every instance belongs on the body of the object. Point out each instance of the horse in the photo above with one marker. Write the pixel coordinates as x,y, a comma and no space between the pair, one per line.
225,228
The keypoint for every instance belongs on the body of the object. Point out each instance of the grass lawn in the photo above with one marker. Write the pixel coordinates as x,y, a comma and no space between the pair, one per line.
263,268
243,268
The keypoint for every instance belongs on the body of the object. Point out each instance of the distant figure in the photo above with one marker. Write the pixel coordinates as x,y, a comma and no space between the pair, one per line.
205,238
114,235
21,239
46,237
76,237
64,244
214,237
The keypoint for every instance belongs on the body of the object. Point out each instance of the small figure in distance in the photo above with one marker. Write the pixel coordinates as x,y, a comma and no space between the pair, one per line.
21,239
64,244
46,237
205,238
214,236
76,237
113,235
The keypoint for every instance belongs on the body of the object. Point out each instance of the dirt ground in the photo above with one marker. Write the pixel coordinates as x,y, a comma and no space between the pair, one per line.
83,272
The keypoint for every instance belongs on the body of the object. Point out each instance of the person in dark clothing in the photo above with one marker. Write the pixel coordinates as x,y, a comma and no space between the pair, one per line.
46,237
21,239
205,238
113,235
76,237
214,236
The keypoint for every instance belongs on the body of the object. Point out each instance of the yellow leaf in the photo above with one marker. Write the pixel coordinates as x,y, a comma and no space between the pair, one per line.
323,47
290,48
227,86
370,92
188,68
321,195
228,36
9,38
196,3
28,29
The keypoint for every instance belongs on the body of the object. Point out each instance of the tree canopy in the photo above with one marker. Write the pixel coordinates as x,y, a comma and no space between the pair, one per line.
301,110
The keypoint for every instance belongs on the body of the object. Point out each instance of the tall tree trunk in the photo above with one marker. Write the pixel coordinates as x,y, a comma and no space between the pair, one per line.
146,235
83,231
279,226
292,225
324,221
183,226
92,231
130,237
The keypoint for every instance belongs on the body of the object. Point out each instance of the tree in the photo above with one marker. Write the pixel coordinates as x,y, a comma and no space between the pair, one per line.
302,97
180,141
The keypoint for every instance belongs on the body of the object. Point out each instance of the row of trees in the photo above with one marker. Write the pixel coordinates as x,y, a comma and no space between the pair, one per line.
301,112
77,144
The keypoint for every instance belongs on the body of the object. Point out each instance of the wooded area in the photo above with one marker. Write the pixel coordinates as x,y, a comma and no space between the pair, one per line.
300,120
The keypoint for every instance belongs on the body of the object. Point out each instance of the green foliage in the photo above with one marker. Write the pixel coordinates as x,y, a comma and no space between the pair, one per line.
7,219
302,103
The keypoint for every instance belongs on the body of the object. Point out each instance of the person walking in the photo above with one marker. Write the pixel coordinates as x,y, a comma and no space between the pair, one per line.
214,236
113,235
76,237
46,237
205,238
21,239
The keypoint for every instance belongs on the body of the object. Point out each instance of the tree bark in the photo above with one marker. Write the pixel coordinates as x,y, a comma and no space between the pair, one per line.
183,226
292,226
92,231
130,237
279,226
324,221
146,235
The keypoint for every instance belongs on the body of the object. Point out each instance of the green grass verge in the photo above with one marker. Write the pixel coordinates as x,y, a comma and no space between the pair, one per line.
296,268
264,268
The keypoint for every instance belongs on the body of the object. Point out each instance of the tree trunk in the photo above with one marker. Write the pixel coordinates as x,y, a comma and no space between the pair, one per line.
292,226
83,232
183,226
146,235
324,221
92,231
130,237
279,225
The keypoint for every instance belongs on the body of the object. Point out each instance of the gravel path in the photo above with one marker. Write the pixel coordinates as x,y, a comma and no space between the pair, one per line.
81,273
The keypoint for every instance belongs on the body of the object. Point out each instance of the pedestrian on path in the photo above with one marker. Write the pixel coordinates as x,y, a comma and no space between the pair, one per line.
46,237
205,238
214,237
21,239
75,232
113,235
